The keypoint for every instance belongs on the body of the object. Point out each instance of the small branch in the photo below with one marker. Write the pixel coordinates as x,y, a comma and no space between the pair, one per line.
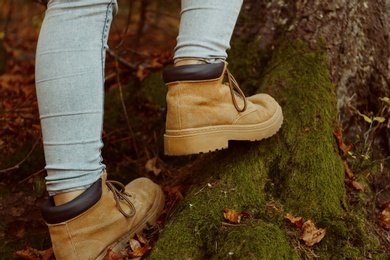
232,225
124,107
122,61
17,166
31,175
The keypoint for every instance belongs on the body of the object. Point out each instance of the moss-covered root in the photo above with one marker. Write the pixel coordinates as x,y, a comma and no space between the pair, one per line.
298,170
196,230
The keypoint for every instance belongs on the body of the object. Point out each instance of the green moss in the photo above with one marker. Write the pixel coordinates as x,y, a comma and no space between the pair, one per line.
253,240
153,89
309,171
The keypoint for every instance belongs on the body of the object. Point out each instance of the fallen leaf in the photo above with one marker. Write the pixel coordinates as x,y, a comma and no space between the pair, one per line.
111,255
232,215
141,239
34,254
348,171
150,166
155,63
366,118
138,246
380,119
385,99
354,184
49,254
357,185
138,252
297,221
345,148
134,244
142,72
310,234
174,192
384,217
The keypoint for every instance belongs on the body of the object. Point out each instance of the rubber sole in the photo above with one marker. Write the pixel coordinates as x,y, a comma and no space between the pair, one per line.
212,138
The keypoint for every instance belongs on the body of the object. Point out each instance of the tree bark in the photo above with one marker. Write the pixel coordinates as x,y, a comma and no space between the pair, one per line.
311,56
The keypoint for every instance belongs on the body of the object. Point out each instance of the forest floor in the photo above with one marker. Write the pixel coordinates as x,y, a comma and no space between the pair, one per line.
132,137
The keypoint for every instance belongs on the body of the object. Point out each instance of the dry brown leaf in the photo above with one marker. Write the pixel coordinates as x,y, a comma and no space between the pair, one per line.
138,246
232,215
150,166
49,254
354,184
384,217
174,191
348,171
111,255
310,234
357,185
155,63
31,254
345,148
141,239
134,244
297,221
142,72
138,252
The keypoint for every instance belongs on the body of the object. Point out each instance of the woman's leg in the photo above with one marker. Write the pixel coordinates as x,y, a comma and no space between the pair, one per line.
69,80
206,28
86,214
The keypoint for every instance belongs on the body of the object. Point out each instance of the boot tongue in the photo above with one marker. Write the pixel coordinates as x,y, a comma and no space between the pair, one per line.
194,72
52,214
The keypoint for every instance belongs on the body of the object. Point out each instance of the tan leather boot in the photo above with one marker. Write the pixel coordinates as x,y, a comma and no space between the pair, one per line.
203,113
102,217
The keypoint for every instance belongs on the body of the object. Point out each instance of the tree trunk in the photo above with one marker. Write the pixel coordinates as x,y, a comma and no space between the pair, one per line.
285,49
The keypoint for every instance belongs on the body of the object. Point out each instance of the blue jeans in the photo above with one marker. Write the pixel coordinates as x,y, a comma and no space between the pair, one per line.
70,63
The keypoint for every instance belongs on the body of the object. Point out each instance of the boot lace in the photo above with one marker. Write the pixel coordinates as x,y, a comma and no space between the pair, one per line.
235,90
121,196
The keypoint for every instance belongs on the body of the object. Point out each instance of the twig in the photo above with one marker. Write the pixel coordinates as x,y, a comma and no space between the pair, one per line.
124,108
22,161
117,59
232,225
122,61
31,175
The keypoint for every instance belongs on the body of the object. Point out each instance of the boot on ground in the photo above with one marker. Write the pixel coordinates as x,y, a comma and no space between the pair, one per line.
105,216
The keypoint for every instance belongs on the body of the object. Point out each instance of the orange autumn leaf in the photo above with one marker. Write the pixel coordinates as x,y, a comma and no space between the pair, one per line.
345,148
310,234
232,215
142,72
348,171
34,254
384,217
138,246
138,252
141,239
357,185
297,221
174,192
111,255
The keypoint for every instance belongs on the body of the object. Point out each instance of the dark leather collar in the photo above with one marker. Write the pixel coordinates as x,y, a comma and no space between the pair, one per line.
193,72
57,214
